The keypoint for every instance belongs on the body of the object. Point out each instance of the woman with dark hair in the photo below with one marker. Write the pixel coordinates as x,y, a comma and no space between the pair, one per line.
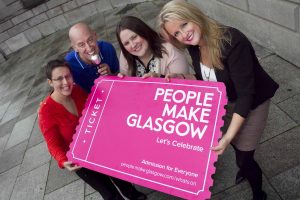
224,54
59,115
144,53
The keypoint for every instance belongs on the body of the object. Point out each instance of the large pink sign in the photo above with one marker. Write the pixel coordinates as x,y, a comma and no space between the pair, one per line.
153,133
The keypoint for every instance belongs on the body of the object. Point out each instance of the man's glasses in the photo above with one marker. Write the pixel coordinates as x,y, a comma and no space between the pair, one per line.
61,78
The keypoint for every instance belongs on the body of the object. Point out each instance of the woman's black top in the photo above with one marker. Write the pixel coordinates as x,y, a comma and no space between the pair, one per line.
247,84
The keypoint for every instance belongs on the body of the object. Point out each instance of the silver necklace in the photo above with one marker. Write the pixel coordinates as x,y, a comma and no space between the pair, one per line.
207,76
203,69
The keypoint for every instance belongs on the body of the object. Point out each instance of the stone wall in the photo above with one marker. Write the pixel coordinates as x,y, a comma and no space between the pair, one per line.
272,23
21,27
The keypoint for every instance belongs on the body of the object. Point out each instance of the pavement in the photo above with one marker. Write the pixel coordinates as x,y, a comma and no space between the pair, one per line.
28,172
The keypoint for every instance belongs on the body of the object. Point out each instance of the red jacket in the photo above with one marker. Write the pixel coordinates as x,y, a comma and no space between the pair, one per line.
58,124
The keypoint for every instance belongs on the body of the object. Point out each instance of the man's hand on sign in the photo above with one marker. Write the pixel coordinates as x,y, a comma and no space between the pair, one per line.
104,69
71,167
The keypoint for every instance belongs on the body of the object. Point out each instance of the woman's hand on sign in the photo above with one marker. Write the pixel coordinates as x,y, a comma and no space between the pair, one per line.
180,76
71,167
120,75
235,125
151,74
220,148
173,75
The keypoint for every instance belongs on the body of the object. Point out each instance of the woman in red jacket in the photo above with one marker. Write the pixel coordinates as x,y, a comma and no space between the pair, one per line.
59,114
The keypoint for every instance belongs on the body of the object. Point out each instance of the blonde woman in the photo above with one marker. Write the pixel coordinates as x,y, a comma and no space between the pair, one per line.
224,54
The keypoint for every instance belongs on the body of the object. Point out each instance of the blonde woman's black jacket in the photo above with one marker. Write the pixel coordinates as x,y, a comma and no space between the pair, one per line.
247,84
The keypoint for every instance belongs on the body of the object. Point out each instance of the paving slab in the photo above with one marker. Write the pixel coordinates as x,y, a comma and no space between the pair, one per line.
277,123
7,181
21,94
243,191
3,84
58,178
3,141
260,51
126,9
292,107
15,82
226,170
6,97
161,196
90,193
285,74
132,12
148,10
97,23
88,190
21,131
144,190
7,127
27,82
103,5
13,110
36,136
12,157
30,108
118,3
35,157
160,3
3,109
40,90
102,35
74,190
280,153
93,196
111,36
31,186
111,20
288,183
60,44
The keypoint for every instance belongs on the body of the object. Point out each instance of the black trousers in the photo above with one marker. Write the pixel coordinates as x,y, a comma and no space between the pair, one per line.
250,170
105,186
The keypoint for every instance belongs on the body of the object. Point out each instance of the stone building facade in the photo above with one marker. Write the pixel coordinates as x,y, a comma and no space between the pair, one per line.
20,27
272,23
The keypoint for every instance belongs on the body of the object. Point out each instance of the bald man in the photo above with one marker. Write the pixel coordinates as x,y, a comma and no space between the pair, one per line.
88,60
86,55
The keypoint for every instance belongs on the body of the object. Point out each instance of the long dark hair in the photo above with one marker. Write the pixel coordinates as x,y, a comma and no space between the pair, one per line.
142,29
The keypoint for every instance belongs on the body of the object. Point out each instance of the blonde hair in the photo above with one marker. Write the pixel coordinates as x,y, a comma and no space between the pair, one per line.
212,32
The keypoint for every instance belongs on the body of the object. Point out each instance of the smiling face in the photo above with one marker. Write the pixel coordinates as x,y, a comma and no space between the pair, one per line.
134,44
84,41
61,81
185,32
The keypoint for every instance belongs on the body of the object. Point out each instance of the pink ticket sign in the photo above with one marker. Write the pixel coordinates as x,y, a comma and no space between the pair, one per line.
152,133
